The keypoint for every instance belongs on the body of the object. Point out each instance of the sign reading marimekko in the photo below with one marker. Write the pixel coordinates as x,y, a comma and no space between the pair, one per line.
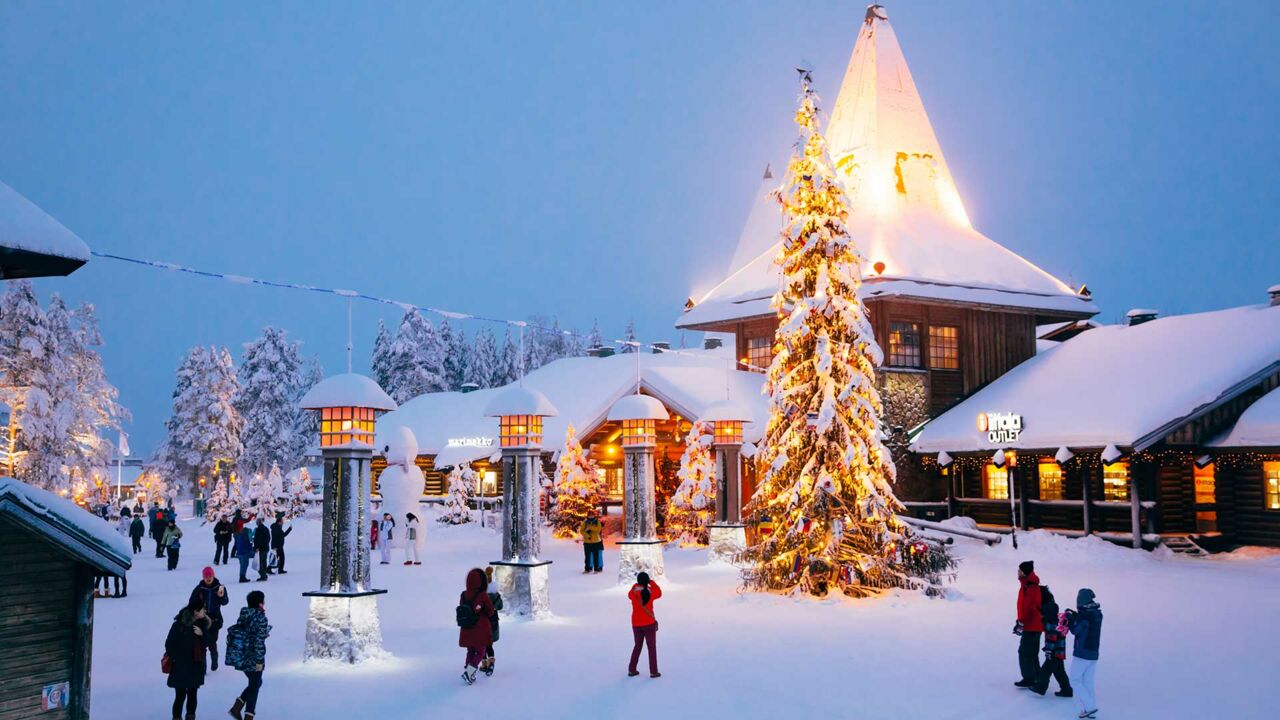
1002,428
478,441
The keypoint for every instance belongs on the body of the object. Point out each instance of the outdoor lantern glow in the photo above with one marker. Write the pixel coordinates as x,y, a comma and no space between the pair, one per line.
727,419
348,404
639,432
520,430
728,432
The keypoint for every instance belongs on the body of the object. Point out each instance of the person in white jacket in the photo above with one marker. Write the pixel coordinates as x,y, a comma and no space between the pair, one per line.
386,532
412,540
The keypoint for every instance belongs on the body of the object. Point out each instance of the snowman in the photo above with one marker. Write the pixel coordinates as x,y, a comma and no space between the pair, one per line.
401,486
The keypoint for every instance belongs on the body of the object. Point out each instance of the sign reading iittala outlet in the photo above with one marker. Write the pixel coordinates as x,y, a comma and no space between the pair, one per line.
1002,428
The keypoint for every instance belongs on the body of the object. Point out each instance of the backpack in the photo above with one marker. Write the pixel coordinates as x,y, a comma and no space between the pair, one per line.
235,646
466,617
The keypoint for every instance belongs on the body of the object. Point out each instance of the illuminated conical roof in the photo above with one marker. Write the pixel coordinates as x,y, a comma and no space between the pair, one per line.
906,214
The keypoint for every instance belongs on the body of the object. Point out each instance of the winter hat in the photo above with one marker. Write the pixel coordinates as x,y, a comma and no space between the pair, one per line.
1084,597
1027,567
207,573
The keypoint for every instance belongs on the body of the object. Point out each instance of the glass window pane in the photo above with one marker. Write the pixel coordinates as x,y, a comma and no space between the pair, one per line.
944,347
995,482
1115,482
1050,481
904,344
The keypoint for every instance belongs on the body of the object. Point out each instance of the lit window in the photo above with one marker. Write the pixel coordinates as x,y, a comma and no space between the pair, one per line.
1206,485
904,344
944,347
1271,475
611,479
995,481
1050,481
490,482
1115,482
759,352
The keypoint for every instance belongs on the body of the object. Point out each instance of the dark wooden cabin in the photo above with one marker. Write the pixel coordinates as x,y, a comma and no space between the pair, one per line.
53,551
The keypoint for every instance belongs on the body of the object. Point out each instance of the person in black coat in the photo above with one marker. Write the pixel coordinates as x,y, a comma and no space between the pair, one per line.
262,544
278,534
156,526
221,540
185,649
212,595
136,530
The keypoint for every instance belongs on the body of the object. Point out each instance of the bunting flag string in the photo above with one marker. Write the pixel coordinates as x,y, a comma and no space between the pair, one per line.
406,306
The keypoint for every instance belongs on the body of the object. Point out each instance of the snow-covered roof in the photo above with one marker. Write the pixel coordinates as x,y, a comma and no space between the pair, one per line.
726,410
347,390
79,532
1122,385
518,400
32,243
638,407
583,389
1258,426
1141,312
905,210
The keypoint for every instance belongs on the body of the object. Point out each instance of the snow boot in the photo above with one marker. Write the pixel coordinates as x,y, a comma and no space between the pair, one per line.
236,708
488,668
248,716
469,675
632,673
213,658
1065,693
655,675
1024,684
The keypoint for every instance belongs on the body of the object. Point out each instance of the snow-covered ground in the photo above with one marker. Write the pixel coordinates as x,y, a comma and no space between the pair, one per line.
1184,638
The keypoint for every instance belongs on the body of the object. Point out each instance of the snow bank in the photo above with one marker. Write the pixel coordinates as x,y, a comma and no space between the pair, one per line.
66,513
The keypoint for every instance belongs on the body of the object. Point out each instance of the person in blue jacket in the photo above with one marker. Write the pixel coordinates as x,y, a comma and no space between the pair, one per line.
244,550
1085,623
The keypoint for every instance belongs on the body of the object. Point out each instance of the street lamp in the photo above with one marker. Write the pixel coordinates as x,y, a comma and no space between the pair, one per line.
728,536
640,549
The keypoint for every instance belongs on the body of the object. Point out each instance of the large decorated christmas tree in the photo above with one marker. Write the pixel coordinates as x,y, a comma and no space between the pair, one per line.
824,474
576,489
457,507
692,505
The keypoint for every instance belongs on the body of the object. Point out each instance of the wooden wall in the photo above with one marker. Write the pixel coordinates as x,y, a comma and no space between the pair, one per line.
1242,516
37,623
434,479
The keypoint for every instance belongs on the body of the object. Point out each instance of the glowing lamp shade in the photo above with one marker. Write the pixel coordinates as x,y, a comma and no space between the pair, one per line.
348,406
520,411
727,419
639,415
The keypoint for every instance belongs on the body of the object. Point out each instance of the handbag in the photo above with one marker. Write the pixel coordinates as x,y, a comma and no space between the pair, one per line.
166,665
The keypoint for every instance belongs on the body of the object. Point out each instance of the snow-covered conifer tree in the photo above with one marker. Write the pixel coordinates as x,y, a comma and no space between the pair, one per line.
692,506
456,509
23,340
482,368
629,337
272,379
381,361
508,363
262,494
297,494
417,358
824,474
306,424
454,342
576,490
204,429
49,416
219,503
594,338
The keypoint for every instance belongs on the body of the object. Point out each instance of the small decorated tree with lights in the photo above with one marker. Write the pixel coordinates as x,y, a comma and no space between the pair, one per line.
457,510
692,506
218,505
262,496
825,476
296,494
576,488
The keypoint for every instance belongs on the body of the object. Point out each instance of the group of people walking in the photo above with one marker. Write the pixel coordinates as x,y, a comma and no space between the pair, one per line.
1038,615
234,537
191,647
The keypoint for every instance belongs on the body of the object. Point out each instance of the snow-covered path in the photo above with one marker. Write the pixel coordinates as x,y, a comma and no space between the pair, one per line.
1183,639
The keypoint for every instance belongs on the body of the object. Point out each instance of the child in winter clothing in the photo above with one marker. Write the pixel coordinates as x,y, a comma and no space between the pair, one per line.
644,625
185,649
413,529
247,652
385,530
495,597
172,542
136,531
373,535
592,544
1055,647
477,636
1085,623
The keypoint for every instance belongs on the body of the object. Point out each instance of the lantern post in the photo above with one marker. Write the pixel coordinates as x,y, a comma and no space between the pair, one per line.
523,578
640,549
728,535
343,622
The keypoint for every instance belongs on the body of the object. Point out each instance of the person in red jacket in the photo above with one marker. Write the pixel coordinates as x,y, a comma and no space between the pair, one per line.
476,630
644,626
1029,625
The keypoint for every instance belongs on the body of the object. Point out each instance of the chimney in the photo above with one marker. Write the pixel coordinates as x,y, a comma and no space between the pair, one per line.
1274,293
469,387
599,351
661,347
1138,316
711,343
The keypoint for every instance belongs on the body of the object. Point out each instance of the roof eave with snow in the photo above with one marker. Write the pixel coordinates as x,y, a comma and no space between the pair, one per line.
84,536
32,243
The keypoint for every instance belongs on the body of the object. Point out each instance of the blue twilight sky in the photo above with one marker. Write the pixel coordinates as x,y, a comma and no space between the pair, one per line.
596,160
